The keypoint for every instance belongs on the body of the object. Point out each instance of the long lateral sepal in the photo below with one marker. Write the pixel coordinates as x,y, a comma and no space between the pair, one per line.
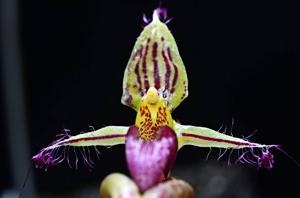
58,150
205,137
254,154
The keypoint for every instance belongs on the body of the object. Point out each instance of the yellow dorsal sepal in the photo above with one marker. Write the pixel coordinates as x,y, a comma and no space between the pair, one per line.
155,62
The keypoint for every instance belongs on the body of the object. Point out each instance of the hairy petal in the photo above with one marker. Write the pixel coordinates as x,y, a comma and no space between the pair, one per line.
205,137
149,162
55,153
155,62
255,154
107,136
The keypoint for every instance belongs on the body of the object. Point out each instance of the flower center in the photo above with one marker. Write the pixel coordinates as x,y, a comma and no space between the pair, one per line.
152,114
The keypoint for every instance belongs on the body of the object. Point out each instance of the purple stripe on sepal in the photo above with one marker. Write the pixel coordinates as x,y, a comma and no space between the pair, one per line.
214,139
136,70
146,81
94,138
175,71
155,65
168,70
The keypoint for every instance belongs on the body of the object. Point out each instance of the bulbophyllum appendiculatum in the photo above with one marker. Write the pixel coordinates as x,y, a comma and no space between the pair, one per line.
154,84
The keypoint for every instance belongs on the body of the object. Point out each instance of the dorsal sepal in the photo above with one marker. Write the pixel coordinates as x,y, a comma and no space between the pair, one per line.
155,62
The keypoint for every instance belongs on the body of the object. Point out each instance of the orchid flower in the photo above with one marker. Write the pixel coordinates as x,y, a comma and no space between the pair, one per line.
155,83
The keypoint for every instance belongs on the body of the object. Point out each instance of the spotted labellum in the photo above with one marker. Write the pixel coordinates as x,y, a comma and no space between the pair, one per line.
155,83
150,162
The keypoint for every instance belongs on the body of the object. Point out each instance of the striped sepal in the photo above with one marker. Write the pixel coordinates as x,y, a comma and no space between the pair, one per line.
155,62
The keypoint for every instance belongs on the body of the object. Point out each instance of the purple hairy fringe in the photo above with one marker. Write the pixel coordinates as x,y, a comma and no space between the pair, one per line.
162,14
258,157
57,152
262,157
49,156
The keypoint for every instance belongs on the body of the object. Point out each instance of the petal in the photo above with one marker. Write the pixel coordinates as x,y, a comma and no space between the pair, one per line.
58,151
255,154
205,137
149,162
155,62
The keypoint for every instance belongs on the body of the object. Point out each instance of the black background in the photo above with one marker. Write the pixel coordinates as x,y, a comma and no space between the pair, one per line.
242,60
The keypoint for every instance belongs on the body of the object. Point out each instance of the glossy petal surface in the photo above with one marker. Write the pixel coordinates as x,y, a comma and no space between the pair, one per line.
150,162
